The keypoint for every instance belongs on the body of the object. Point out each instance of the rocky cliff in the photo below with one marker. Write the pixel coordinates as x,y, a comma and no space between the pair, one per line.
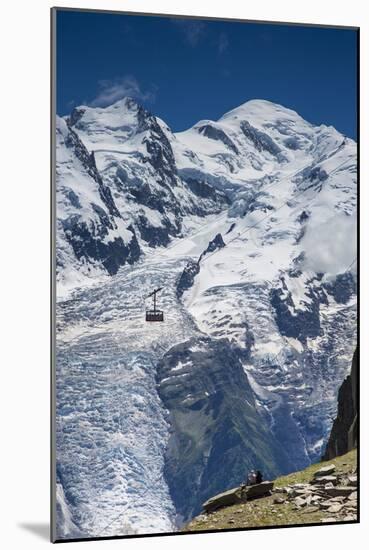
343,436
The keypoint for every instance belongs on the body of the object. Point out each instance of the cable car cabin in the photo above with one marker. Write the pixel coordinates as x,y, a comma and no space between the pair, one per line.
154,314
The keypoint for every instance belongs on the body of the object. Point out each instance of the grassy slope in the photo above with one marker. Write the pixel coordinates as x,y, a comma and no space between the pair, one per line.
263,512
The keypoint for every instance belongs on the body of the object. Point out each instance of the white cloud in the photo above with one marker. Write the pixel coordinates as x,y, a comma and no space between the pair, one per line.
111,91
331,246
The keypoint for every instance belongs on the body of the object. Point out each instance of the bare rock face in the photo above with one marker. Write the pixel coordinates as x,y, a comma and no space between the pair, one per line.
187,277
343,436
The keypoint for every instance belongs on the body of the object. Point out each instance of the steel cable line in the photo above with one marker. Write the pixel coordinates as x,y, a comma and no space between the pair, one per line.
261,188
127,506
263,219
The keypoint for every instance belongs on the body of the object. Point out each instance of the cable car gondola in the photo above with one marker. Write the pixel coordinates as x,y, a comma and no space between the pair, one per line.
154,314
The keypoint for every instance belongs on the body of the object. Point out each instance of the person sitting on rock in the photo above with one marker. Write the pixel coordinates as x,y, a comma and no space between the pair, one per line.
251,478
258,477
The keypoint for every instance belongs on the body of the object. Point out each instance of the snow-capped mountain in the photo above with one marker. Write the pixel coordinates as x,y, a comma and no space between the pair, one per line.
248,224
135,159
91,235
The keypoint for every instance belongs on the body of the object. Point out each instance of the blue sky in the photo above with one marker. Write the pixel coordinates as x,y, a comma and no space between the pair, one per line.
185,70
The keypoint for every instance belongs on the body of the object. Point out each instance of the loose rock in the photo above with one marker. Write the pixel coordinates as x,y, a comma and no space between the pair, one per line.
352,480
335,508
326,479
349,517
338,491
325,471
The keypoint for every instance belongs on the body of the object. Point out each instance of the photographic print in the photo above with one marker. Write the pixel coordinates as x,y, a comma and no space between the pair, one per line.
205,187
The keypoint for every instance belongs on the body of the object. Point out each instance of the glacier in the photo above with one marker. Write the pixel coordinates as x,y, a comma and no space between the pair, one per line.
248,223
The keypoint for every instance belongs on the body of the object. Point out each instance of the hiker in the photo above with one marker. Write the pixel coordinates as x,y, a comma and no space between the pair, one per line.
258,477
251,478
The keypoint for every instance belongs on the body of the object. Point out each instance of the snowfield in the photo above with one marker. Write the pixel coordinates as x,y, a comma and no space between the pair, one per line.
259,210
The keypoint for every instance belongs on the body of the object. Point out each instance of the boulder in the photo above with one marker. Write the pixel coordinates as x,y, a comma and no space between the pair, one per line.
238,495
353,496
326,479
337,499
299,501
325,471
339,491
228,498
325,505
350,506
260,490
335,508
352,480
318,489
300,492
311,509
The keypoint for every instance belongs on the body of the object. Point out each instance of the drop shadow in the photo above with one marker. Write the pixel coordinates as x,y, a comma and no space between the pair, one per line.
42,530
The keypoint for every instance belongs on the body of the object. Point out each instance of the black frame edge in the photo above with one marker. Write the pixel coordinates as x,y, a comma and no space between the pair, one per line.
52,534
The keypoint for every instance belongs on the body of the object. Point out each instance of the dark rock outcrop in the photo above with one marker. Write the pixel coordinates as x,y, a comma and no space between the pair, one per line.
192,268
292,321
187,277
216,244
205,191
89,236
261,140
343,436
216,134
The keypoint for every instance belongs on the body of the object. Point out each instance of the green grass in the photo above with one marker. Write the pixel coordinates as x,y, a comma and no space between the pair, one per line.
344,464
263,512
